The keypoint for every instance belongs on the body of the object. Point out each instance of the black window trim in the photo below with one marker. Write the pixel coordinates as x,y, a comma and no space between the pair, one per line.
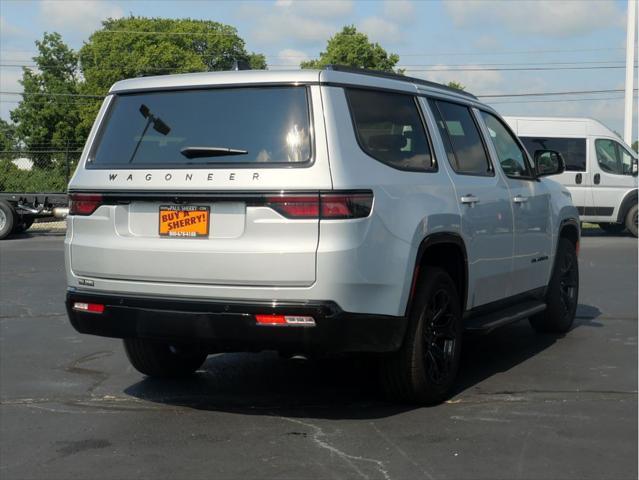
432,102
433,159
531,164
89,165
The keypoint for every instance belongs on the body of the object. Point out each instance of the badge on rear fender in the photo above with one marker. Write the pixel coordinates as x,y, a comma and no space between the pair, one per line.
188,221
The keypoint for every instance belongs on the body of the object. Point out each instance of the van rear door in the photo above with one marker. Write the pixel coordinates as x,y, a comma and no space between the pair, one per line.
203,186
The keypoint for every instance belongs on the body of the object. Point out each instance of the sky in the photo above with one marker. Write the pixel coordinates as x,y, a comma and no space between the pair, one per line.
560,43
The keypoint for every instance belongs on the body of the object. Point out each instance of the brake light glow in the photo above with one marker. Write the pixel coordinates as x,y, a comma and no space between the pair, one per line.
328,206
88,307
84,203
285,320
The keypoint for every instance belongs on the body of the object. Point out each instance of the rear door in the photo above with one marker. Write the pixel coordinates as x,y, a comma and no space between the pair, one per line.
487,222
214,186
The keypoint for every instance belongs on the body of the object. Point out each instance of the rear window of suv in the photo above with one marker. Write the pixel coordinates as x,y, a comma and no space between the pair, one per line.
389,128
191,128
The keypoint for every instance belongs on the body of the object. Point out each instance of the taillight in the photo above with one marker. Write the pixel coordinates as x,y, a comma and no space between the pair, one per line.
295,206
84,203
329,206
346,205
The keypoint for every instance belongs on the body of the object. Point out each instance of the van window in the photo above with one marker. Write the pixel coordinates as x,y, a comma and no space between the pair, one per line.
466,152
208,127
389,128
572,149
512,157
613,157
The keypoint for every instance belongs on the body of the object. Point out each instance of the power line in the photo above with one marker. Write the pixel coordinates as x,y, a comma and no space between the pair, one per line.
47,94
436,68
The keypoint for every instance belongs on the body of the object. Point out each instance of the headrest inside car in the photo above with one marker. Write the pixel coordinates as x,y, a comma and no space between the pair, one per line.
386,142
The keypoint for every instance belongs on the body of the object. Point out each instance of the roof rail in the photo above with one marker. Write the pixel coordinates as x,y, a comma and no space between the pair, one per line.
397,76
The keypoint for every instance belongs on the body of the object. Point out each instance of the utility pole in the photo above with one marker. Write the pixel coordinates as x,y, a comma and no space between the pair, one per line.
630,70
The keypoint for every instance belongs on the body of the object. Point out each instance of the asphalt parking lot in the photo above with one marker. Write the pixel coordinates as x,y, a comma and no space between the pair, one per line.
527,405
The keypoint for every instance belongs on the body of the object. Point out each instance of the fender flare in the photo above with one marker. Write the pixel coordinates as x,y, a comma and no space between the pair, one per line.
439,238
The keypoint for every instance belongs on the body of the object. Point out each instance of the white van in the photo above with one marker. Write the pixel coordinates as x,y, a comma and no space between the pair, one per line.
601,170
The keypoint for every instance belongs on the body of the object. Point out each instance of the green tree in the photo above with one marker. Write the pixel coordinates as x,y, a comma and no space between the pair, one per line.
352,48
138,46
456,85
47,117
7,136
635,145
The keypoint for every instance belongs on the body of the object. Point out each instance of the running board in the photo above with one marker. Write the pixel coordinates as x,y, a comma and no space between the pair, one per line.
488,322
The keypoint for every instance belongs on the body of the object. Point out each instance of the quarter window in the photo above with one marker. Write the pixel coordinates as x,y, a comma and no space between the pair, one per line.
466,152
389,128
613,158
572,149
512,157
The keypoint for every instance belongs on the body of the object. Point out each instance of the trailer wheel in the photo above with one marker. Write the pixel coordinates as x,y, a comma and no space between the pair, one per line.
7,219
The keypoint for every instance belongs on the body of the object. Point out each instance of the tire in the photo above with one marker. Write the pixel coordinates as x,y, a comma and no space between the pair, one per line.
157,359
631,220
424,369
563,292
612,227
23,224
7,220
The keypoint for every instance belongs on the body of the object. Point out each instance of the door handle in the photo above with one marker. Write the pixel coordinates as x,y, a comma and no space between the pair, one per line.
597,179
578,179
519,199
469,199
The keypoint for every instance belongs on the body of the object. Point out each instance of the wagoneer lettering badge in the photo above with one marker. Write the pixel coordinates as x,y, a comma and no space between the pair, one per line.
188,177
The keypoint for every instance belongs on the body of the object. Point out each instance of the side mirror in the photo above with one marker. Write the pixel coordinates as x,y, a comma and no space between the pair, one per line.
549,162
634,167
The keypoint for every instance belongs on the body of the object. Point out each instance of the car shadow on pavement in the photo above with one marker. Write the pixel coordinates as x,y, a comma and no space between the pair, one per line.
596,232
344,387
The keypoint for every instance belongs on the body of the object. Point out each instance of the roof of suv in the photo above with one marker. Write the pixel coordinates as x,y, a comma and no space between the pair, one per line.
333,74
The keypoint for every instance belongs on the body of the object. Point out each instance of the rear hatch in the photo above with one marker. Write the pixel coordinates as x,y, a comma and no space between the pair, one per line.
205,185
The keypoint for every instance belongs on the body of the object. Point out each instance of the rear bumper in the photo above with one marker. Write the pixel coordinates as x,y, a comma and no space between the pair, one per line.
231,326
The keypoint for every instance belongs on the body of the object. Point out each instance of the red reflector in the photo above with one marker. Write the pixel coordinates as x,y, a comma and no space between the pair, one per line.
84,204
285,320
271,319
88,307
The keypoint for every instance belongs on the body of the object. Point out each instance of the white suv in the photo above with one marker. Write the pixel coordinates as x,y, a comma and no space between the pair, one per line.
313,212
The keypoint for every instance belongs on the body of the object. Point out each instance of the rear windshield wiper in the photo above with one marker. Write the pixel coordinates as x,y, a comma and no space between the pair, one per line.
203,152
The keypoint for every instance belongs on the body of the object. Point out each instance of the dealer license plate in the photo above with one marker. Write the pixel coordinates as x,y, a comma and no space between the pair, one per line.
188,221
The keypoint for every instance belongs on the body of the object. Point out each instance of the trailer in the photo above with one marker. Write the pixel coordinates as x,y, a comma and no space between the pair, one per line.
18,211
33,186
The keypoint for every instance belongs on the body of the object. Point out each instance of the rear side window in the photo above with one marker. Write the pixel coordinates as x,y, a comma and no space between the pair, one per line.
191,128
466,151
389,128
572,149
